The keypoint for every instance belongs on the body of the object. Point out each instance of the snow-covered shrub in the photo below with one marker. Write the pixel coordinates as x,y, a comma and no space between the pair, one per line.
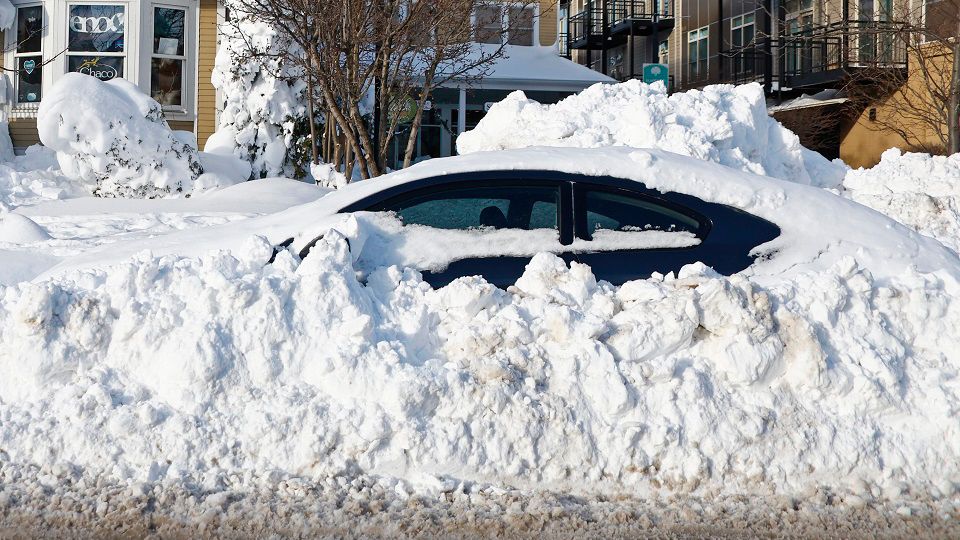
261,109
113,138
721,123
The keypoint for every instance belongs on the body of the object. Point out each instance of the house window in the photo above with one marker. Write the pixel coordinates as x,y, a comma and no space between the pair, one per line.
742,30
168,56
698,42
28,54
663,52
520,25
511,23
488,24
96,40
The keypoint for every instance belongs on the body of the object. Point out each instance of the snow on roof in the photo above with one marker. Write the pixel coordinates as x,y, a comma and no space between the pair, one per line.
8,15
805,101
818,227
536,68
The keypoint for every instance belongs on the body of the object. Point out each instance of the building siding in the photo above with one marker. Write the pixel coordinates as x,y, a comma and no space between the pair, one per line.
548,22
206,54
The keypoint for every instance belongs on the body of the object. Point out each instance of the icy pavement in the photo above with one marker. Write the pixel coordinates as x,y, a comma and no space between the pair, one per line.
363,507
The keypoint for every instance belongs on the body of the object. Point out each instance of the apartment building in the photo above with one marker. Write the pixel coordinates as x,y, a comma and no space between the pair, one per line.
794,48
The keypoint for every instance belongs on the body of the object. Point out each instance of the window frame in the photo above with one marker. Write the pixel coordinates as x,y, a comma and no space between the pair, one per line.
184,58
16,55
378,201
581,189
504,8
694,62
128,33
739,23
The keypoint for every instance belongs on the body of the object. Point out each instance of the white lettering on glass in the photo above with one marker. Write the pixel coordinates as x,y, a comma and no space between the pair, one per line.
97,25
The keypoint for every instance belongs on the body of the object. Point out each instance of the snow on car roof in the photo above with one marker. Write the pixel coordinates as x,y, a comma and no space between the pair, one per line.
818,227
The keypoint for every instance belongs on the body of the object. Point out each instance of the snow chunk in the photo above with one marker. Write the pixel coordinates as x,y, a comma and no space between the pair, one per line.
721,123
113,138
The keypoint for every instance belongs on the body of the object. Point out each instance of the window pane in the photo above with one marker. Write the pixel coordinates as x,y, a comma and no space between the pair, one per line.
747,34
166,81
96,29
168,32
521,26
29,78
748,19
101,67
29,29
615,212
527,207
736,37
489,25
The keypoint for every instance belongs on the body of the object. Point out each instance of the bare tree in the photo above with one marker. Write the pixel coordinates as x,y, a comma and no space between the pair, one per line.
364,59
921,104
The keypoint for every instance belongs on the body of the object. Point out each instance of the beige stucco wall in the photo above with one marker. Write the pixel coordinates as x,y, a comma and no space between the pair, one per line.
865,140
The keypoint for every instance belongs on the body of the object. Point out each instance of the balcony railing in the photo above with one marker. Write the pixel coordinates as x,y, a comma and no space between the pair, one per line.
817,57
597,24
620,11
823,53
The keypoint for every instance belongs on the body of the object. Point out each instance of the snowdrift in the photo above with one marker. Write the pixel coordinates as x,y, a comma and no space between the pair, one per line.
721,123
918,190
828,368
113,138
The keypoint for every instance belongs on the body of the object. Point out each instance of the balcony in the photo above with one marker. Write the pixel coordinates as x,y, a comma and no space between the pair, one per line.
638,17
824,56
820,57
601,26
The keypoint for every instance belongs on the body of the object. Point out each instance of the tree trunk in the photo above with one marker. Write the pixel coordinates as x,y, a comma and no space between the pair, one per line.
953,121
415,127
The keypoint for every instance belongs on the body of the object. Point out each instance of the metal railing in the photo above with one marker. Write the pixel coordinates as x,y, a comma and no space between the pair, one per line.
619,11
839,46
819,54
596,21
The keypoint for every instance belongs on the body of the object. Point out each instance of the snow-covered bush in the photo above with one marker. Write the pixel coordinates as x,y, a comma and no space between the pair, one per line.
721,123
113,138
260,109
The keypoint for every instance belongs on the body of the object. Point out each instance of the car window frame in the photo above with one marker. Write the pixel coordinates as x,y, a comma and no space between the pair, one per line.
639,192
379,201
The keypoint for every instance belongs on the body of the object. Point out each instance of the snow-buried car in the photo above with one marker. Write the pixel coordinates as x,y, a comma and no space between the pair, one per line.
626,212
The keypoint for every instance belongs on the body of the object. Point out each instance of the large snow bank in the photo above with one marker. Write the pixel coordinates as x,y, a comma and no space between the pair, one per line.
829,370
721,123
113,138
919,190
223,370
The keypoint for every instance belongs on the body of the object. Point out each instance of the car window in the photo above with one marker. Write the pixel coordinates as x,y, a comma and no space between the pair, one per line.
620,212
499,207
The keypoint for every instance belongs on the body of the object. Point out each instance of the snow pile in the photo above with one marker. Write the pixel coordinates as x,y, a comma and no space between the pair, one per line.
223,370
8,15
18,229
721,123
113,138
260,109
34,177
828,369
918,190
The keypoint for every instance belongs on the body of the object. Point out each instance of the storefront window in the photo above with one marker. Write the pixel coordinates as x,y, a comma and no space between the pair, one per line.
98,29
28,54
168,59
